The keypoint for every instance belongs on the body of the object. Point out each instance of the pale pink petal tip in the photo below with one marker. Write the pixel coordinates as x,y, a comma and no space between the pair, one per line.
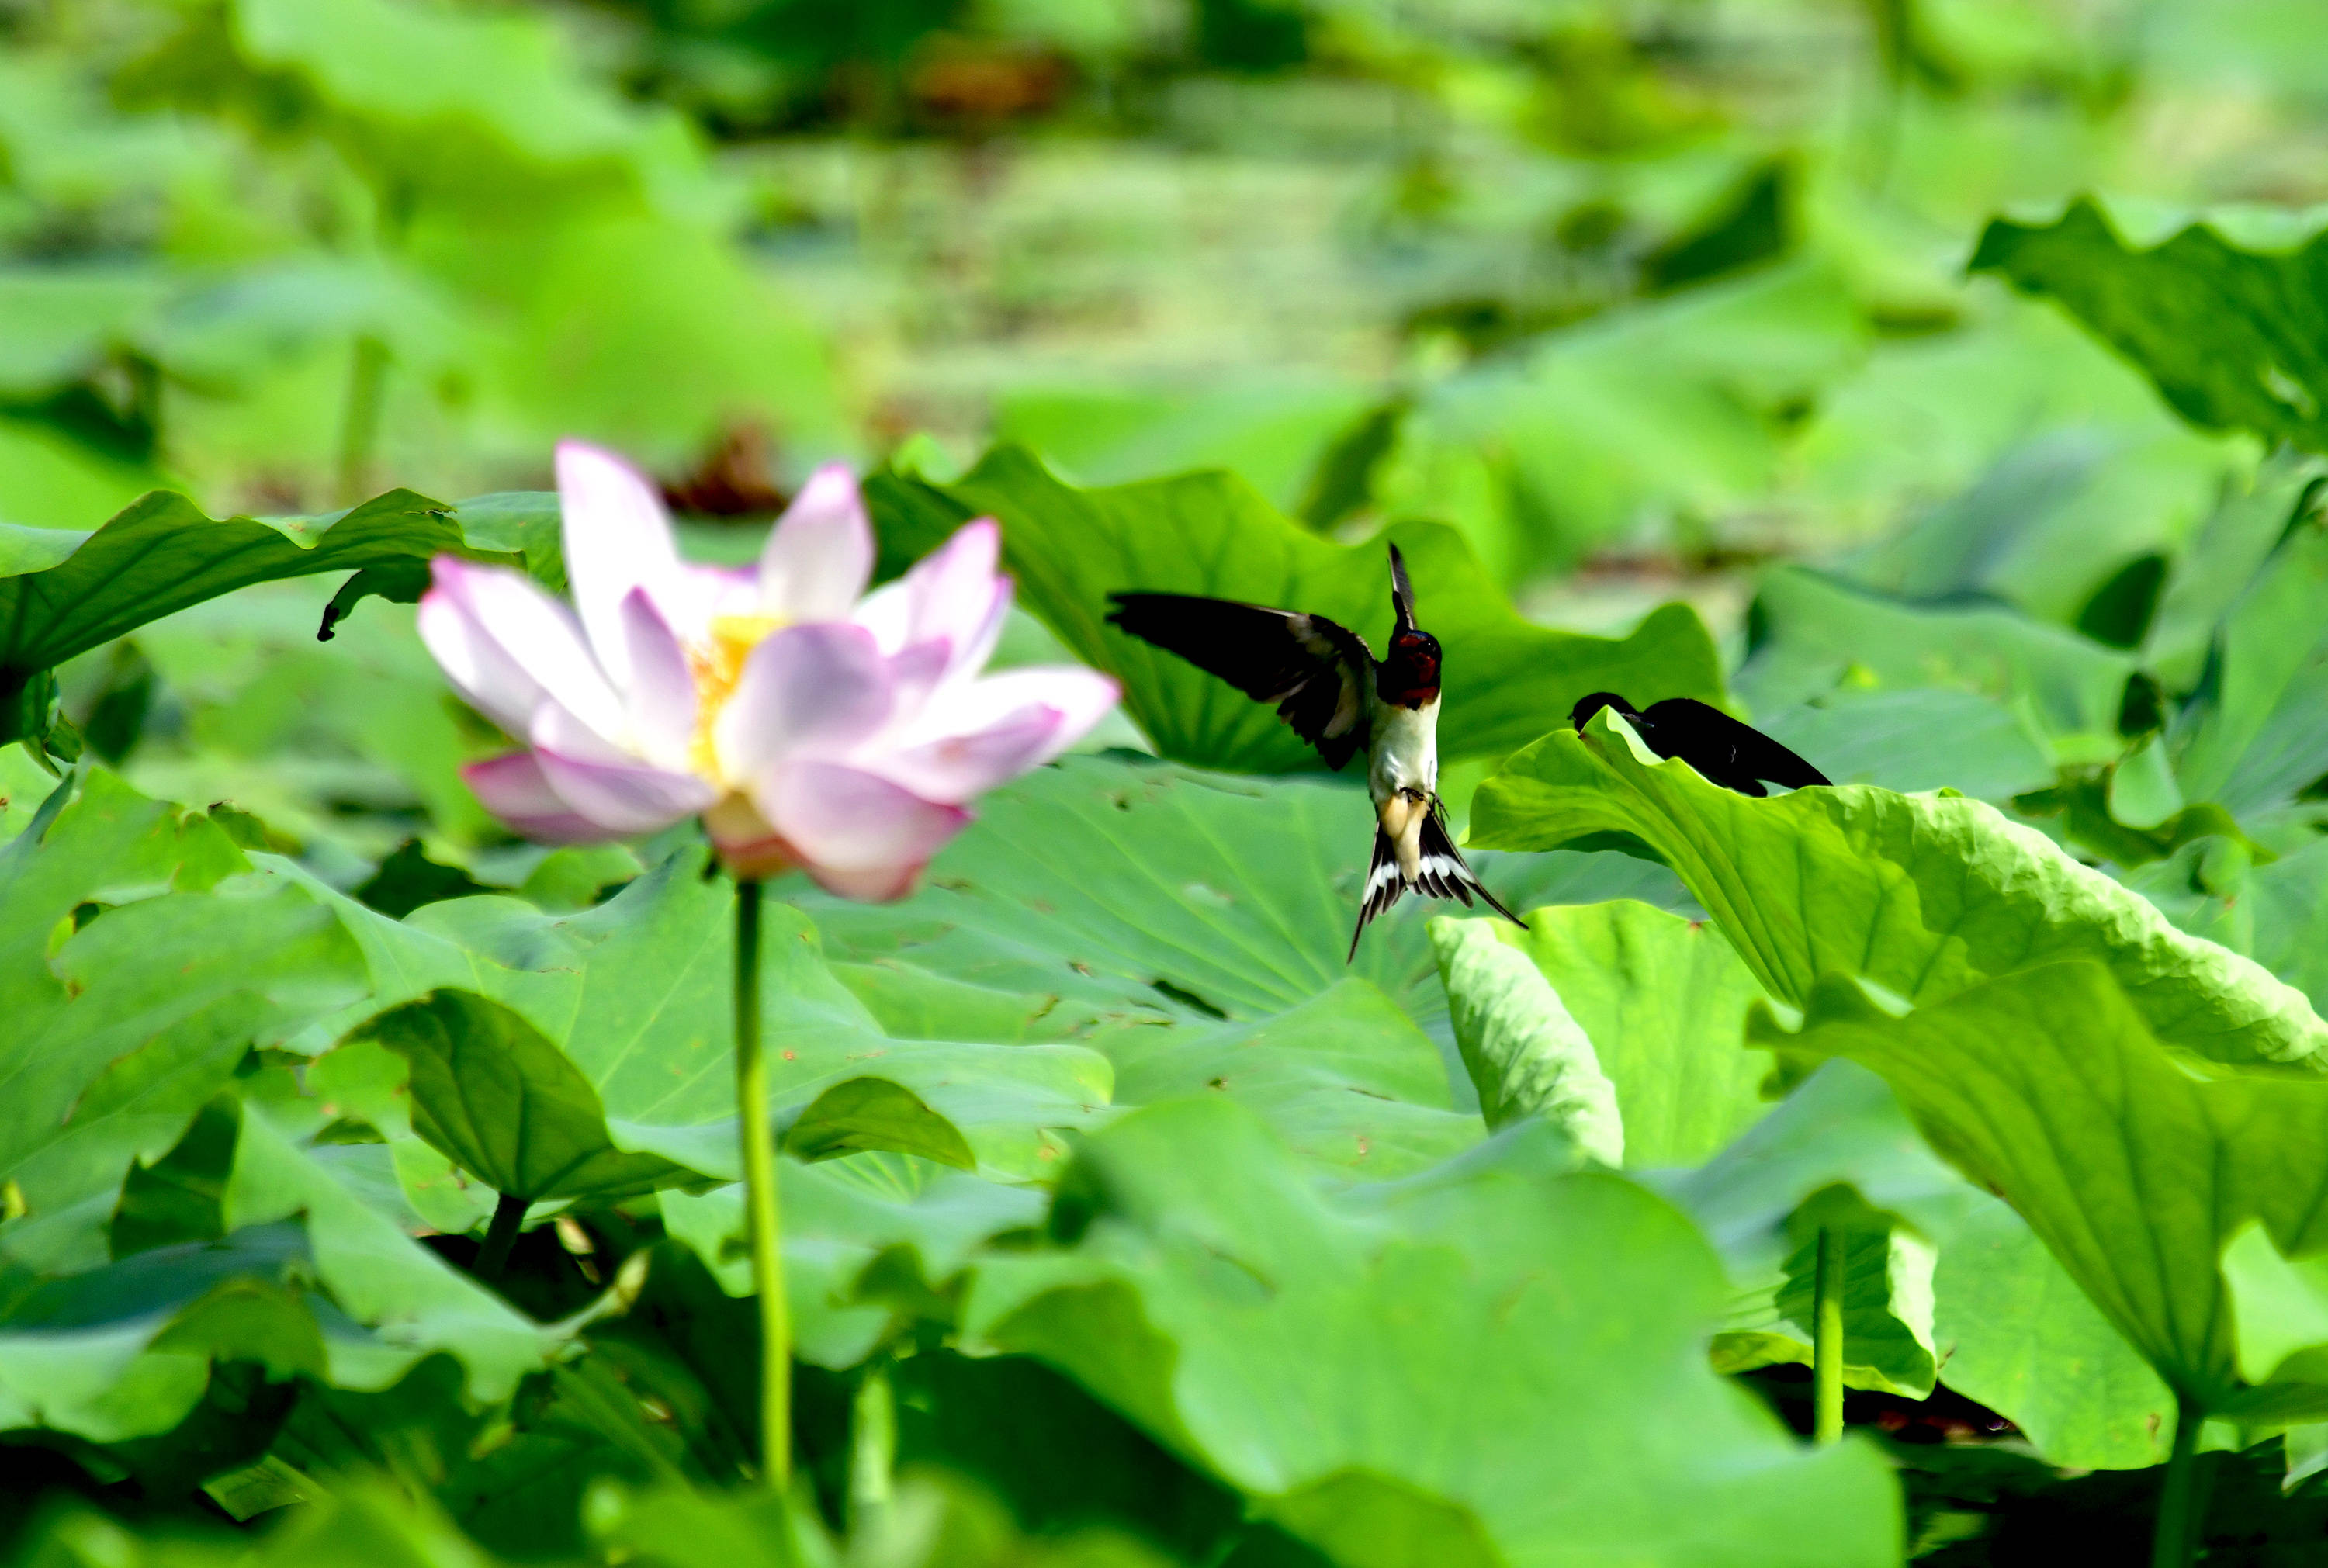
820,555
996,728
509,647
625,799
617,538
513,789
859,835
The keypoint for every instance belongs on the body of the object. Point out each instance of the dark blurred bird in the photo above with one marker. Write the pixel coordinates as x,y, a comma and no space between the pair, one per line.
1737,757
1328,686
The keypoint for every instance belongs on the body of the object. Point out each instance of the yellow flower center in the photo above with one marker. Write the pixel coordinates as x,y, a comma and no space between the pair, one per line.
717,667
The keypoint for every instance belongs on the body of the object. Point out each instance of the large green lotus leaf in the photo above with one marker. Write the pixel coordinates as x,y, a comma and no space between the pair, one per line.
1922,896
2232,332
2275,912
1918,739
369,1522
1664,1001
873,1115
413,1303
2280,1308
2259,731
1815,630
2012,1330
1506,679
121,1030
1178,921
675,1526
124,1351
181,1197
2048,1086
1840,1128
25,785
63,594
636,993
1425,1333
2016,1334
840,1218
1527,1057
496,1097
1133,893
296,731
52,485
2208,576
1345,1078
366,1083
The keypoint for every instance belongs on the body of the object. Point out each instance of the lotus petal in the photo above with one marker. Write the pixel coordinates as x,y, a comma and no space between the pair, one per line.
816,690
510,647
858,834
618,538
991,730
820,555
514,789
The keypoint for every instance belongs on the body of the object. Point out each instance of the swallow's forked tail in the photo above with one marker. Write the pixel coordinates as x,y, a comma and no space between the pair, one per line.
1442,874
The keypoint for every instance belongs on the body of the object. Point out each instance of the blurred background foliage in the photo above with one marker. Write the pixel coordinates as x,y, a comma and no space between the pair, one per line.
1639,295
1642,299
1646,289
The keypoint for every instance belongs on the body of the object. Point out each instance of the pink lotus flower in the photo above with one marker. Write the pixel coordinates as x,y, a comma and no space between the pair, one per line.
810,726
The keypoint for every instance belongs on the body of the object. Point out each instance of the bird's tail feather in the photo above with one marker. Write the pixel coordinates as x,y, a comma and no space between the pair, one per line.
1384,885
1443,874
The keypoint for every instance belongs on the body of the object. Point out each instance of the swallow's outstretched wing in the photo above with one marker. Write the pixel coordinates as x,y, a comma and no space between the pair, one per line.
1727,752
1315,670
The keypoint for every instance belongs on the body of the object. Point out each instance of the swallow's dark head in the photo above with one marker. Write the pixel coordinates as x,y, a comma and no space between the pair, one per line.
1408,676
1583,712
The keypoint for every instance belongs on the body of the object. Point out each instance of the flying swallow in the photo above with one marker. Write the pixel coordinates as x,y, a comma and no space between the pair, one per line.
1328,686
1737,757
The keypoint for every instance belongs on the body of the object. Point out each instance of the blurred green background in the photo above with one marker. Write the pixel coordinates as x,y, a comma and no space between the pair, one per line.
1639,297
1636,288
1648,299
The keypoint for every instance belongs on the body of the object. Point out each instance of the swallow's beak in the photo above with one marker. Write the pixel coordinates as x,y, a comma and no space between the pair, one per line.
1402,591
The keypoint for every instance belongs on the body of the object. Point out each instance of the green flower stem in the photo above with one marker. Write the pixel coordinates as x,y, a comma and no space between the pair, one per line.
2178,1511
872,1447
360,418
760,1199
1826,1338
509,1218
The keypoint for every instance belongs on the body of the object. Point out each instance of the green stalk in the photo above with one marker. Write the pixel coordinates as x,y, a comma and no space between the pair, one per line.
509,1218
2178,1511
760,1199
1826,1338
872,1447
359,420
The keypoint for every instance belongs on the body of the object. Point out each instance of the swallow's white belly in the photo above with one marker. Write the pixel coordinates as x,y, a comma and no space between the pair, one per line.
1405,753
